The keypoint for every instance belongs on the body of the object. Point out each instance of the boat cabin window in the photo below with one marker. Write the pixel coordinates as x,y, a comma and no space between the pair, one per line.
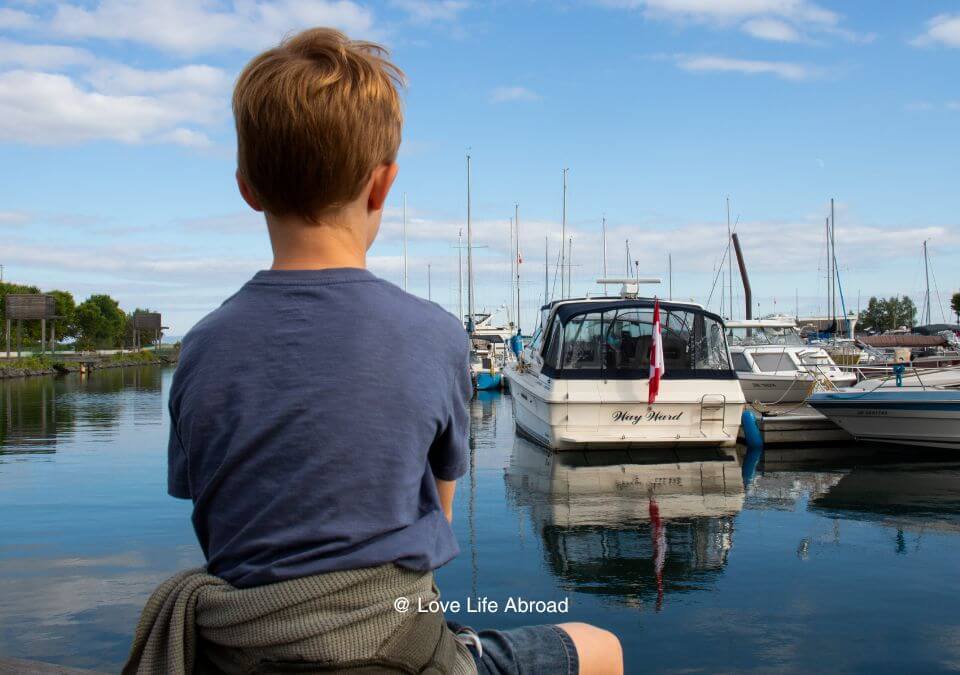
537,340
616,343
740,363
774,361
784,336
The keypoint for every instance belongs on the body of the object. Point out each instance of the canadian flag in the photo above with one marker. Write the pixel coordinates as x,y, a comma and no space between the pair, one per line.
656,355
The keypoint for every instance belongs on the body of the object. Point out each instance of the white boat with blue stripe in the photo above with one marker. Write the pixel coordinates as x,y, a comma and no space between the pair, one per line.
928,417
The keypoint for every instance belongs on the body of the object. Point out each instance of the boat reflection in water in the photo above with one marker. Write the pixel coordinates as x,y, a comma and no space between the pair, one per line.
629,525
909,497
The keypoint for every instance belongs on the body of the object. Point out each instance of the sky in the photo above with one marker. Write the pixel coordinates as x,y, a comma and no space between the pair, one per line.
117,154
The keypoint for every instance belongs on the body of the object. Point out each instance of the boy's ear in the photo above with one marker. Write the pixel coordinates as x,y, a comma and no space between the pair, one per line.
247,193
380,181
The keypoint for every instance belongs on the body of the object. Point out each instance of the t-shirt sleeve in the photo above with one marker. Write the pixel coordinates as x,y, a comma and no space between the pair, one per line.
178,483
450,453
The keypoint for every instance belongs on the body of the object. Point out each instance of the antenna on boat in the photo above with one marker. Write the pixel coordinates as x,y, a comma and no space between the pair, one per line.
629,286
604,239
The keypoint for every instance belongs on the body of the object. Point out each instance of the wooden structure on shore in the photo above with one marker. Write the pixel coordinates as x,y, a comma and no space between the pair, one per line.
22,307
148,322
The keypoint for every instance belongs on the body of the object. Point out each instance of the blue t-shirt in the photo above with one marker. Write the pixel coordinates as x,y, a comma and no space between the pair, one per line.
310,414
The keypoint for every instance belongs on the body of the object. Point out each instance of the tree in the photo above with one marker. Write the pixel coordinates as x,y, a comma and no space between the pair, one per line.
888,314
100,323
66,308
955,305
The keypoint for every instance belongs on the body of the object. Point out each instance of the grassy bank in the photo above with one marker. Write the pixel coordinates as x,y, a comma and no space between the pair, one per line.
29,366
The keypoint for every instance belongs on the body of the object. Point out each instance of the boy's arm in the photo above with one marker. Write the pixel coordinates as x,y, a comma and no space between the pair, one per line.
450,453
446,490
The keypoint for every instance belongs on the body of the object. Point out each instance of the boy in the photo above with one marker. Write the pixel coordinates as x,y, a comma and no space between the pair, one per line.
319,417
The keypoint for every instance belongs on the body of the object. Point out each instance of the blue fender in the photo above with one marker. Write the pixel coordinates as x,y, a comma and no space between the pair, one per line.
754,439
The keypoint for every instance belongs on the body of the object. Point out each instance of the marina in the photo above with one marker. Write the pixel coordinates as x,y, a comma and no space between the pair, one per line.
768,563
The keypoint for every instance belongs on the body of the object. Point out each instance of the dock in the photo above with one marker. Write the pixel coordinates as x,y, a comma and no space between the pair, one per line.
10,666
790,424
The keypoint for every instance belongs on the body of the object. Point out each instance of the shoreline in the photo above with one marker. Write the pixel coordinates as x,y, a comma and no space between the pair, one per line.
38,366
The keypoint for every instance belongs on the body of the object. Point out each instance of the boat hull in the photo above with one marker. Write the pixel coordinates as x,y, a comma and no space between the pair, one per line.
614,415
775,388
919,418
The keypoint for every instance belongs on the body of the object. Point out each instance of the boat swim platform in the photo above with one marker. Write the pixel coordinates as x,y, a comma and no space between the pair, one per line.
790,424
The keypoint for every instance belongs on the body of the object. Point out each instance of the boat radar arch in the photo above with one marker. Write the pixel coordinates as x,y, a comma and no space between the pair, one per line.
629,286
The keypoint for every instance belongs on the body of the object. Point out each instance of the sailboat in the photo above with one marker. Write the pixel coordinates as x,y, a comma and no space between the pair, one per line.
487,342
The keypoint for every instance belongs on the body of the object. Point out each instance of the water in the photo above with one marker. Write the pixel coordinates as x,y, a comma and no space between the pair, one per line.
830,560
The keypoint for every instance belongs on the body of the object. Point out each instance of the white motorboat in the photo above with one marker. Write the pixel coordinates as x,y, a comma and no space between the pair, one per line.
922,415
582,382
775,366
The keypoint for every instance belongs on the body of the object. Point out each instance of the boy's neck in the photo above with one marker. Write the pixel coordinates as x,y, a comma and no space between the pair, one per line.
301,245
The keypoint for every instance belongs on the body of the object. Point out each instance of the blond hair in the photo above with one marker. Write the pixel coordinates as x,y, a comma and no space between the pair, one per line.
314,117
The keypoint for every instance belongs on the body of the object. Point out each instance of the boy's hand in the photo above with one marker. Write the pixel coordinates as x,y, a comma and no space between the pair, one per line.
446,489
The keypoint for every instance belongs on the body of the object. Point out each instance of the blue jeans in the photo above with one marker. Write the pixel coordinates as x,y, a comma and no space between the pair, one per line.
530,649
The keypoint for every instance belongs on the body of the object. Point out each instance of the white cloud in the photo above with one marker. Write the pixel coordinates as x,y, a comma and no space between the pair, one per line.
776,20
943,30
115,78
430,11
505,94
734,10
189,27
782,69
42,57
13,218
773,30
45,108
14,18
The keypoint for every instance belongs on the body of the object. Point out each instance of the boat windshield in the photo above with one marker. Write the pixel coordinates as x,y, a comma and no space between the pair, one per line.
781,336
616,343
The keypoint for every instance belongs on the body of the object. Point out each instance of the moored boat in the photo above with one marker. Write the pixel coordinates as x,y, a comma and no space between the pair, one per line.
582,382
921,416
775,366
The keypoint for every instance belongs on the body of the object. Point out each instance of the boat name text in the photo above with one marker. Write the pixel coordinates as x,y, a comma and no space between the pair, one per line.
649,416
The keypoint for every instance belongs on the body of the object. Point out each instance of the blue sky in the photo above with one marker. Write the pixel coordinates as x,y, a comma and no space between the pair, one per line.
118,155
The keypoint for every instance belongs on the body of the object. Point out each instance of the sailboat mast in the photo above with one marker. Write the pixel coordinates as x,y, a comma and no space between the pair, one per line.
460,271
546,269
511,276
404,241
926,271
729,260
563,235
516,258
833,261
469,257
829,269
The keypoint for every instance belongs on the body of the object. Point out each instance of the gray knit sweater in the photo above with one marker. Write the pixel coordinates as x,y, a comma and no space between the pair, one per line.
334,617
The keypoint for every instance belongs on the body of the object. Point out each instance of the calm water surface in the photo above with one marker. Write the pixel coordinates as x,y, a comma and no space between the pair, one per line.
828,560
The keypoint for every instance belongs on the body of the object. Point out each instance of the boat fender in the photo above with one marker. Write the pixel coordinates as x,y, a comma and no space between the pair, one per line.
754,439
